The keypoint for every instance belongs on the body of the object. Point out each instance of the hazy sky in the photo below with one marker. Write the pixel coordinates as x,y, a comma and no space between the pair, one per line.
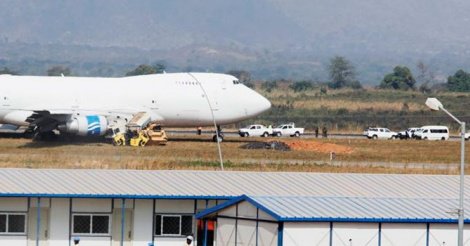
435,31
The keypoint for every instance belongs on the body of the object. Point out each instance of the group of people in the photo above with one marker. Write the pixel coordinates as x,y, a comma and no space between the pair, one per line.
324,132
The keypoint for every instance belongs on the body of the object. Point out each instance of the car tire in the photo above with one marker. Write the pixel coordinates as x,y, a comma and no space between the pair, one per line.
278,134
265,135
297,134
246,134
443,138
375,137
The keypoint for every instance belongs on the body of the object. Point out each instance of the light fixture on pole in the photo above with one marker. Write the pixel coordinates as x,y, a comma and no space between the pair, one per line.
435,104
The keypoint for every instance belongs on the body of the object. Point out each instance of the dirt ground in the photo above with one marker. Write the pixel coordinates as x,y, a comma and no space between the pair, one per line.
321,147
198,152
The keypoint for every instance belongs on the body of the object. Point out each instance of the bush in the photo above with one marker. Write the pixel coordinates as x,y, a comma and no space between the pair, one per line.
459,82
270,85
400,79
301,86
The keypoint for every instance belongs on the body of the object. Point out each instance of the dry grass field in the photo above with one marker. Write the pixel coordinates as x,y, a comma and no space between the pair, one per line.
344,99
190,152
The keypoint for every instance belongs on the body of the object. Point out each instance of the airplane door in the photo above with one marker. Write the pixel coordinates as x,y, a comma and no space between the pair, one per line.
154,104
5,101
213,100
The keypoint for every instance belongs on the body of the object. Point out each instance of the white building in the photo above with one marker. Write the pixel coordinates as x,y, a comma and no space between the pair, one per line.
308,220
127,207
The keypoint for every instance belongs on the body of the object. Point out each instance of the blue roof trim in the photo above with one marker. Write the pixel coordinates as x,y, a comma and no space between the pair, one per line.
221,206
263,208
233,202
46,195
374,220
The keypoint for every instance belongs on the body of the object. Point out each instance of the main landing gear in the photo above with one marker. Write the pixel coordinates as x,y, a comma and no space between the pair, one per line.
219,136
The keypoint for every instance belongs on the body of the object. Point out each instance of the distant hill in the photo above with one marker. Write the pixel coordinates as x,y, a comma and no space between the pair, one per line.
270,38
148,23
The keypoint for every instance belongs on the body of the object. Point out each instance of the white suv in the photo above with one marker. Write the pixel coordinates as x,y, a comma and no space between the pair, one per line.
377,132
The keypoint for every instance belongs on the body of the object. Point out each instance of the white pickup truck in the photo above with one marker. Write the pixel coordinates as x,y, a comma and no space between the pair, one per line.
379,132
255,130
288,130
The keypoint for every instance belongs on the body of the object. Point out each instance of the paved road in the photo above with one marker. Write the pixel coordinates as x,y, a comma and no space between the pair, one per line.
10,132
306,135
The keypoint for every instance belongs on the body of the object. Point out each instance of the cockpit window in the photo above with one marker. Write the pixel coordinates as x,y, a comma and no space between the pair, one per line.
236,82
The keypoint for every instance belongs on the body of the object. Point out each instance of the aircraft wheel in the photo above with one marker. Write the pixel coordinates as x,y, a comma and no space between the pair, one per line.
118,142
44,136
219,138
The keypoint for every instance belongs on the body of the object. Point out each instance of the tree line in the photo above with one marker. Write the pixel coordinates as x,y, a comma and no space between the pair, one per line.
342,74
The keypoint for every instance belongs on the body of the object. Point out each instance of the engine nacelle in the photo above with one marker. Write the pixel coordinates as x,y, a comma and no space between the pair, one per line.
90,125
17,118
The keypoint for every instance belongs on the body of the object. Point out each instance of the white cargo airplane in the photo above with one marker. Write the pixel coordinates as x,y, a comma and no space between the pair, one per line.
92,106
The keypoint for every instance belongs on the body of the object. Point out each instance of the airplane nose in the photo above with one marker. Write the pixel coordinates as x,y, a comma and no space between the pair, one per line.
265,104
255,103
262,104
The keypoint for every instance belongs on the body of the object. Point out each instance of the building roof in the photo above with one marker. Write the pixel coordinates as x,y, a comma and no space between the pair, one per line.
221,184
350,209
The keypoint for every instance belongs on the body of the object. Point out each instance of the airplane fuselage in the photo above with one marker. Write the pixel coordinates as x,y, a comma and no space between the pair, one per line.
179,99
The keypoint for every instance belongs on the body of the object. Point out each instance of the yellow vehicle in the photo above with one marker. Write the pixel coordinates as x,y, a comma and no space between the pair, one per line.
119,139
152,134
155,134
139,139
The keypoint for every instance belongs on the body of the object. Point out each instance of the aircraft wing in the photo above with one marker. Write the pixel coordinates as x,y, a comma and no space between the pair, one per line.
83,122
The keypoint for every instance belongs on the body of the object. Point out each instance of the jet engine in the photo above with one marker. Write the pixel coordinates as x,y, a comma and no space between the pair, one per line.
90,125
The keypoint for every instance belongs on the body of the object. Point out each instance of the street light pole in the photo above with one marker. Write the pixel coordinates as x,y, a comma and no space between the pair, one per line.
462,180
434,104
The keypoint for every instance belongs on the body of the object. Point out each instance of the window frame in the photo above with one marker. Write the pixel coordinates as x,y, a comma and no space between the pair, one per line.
7,215
110,224
180,216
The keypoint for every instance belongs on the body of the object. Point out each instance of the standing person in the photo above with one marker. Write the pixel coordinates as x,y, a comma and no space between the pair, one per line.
189,241
316,132
325,132
199,130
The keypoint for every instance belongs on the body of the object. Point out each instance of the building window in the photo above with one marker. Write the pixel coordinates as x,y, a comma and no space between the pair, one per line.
11,223
91,224
173,225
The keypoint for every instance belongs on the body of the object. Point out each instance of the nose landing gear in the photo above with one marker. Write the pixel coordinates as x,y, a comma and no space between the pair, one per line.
219,136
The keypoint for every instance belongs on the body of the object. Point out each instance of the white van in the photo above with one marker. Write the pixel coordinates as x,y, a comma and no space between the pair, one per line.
433,133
